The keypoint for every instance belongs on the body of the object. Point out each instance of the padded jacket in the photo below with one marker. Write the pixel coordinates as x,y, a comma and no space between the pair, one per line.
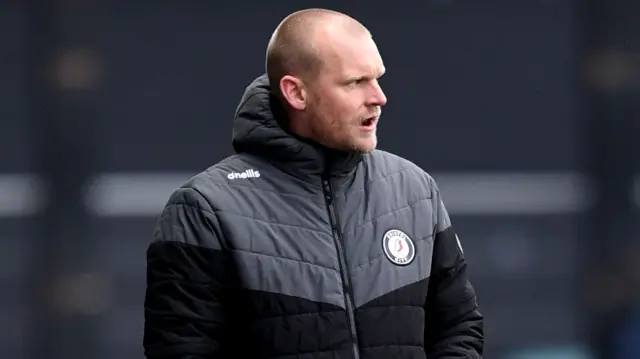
289,250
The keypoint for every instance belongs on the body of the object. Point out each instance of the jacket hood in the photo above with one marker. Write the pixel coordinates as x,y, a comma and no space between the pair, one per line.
260,129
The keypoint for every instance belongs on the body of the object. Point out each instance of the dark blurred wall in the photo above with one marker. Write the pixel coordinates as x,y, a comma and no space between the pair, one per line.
487,96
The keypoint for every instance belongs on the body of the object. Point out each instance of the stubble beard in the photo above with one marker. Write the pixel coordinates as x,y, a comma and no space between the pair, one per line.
346,137
364,148
350,139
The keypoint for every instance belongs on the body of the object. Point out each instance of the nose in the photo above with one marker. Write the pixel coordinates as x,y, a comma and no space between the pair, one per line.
378,98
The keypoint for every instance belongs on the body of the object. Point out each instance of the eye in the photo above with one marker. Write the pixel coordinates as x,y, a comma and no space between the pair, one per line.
358,81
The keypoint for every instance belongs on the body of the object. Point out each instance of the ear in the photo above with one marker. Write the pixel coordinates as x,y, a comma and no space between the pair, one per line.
292,90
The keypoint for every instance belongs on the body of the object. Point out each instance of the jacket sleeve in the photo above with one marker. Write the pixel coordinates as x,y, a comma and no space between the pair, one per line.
454,325
186,279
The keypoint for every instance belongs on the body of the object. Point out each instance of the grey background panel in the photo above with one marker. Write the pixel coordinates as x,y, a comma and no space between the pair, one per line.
543,247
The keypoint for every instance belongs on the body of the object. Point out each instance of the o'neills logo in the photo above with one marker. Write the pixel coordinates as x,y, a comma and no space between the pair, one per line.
246,174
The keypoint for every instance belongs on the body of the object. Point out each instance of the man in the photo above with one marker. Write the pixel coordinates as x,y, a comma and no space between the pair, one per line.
309,243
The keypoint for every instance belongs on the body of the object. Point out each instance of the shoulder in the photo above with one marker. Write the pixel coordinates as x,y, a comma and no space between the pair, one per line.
382,164
213,185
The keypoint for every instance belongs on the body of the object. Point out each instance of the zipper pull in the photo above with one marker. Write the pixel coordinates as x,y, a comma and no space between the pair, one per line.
327,189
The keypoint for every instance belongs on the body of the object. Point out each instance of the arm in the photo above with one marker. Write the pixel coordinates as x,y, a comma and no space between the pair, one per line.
454,324
186,280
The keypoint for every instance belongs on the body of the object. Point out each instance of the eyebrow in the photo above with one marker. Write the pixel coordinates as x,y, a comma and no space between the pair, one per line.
367,76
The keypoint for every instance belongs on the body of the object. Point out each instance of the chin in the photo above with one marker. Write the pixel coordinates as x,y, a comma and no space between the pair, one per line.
365,146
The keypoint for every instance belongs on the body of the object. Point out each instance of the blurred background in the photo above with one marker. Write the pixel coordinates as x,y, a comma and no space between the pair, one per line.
525,112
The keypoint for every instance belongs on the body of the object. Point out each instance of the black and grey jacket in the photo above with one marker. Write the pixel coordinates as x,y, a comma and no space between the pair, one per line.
286,250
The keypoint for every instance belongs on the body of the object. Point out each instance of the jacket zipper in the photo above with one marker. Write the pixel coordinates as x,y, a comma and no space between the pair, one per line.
342,256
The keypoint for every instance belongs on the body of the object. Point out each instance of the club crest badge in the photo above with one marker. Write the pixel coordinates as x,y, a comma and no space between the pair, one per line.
398,247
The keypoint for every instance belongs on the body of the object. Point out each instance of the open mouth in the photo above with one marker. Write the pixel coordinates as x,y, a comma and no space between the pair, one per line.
369,122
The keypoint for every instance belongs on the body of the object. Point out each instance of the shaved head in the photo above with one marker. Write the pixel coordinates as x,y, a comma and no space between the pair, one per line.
324,67
296,45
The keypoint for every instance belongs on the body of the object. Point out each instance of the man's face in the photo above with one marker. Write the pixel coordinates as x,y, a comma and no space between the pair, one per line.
345,98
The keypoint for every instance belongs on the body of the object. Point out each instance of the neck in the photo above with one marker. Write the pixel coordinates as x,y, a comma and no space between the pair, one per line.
298,125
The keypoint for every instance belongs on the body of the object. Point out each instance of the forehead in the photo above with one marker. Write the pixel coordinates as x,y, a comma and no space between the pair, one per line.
353,56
